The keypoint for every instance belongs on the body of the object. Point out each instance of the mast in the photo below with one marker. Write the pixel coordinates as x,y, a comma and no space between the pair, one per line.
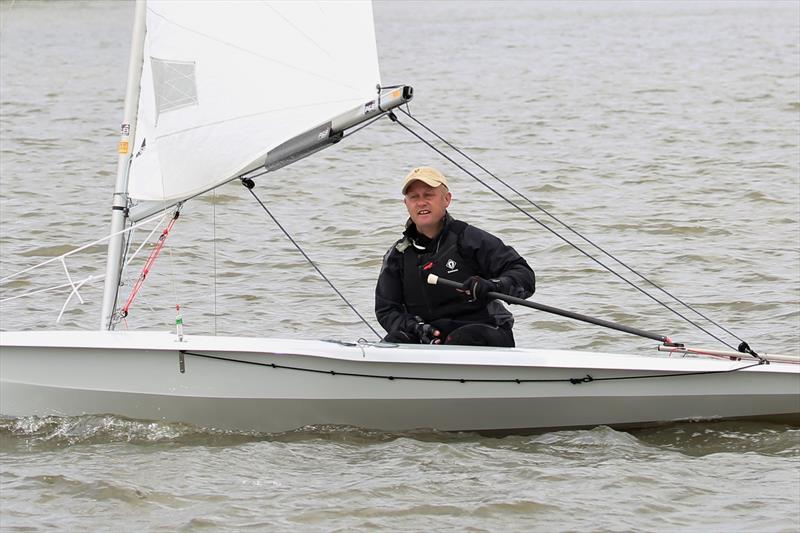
127,136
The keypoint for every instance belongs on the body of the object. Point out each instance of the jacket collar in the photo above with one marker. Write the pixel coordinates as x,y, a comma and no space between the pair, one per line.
422,243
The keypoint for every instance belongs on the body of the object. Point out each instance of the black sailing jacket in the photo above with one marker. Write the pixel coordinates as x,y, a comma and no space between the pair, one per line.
459,252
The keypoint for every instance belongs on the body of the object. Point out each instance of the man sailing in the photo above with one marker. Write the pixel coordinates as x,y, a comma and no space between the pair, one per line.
411,310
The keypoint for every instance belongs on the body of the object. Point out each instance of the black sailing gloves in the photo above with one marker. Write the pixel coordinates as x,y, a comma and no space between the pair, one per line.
477,289
426,333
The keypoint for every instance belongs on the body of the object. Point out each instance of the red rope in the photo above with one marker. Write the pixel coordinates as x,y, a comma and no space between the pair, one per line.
149,264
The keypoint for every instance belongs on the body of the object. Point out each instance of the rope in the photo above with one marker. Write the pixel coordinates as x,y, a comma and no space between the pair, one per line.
148,265
54,287
73,292
368,123
596,246
249,184
548,228
76,285
214,251
81,248
574,381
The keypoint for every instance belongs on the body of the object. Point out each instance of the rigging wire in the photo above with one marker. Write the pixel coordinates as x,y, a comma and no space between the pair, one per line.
568,227
249,185
368,123
743,347
123,273
214,252
173,286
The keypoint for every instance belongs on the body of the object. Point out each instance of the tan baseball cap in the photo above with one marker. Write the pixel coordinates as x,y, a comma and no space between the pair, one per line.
428,175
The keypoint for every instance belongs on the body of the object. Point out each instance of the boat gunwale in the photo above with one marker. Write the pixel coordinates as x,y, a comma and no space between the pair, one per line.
383,353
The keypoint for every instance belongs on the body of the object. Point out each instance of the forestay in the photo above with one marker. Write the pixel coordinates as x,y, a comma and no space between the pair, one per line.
221,87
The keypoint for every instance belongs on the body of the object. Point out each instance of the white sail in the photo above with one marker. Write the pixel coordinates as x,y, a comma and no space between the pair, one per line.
225,82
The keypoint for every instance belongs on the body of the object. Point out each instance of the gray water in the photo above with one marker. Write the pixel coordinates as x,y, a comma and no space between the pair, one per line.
669,134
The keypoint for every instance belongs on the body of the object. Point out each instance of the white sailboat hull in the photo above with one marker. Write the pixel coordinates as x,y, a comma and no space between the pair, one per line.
273,385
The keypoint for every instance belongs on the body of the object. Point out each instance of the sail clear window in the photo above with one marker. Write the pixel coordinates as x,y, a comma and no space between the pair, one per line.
174,84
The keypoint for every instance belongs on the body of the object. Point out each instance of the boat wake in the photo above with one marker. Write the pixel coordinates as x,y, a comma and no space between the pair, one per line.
58,431
694,439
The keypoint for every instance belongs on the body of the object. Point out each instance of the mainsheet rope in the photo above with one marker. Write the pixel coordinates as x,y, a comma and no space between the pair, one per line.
249,185
743,347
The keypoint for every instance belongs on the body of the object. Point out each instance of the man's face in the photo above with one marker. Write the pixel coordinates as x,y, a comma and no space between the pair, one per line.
426,206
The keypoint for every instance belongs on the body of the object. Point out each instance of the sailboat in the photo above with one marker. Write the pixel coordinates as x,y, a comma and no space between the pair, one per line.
220,92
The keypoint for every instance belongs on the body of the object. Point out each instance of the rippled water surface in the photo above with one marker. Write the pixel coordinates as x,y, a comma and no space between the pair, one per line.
668,133
101,471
